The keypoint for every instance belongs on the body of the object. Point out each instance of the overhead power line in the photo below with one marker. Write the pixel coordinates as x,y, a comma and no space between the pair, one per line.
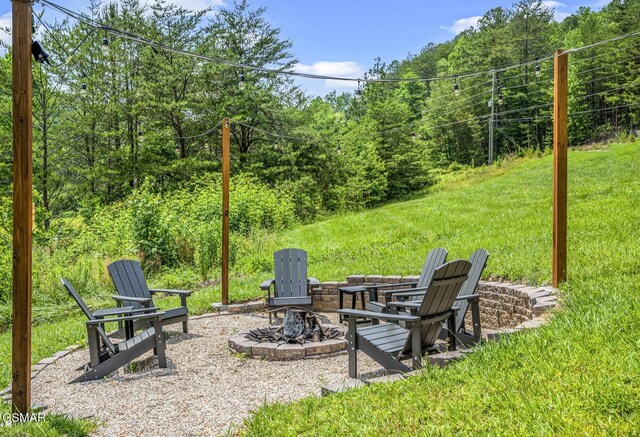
133,37
570,114
633,85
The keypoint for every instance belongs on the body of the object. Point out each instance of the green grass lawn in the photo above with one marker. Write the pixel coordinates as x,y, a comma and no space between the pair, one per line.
579,375
53,425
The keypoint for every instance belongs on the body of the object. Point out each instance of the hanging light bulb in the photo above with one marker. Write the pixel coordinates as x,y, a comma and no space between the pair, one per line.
105,46
241,82
339,149
456,89
83,89
140,136
413,136
500,99
537,69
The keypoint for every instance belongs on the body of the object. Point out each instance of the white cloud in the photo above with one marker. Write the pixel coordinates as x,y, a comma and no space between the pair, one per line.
5,21
329,68
555,5
340,84
462,24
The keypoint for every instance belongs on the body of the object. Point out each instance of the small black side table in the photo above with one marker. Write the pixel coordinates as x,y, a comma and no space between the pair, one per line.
353,291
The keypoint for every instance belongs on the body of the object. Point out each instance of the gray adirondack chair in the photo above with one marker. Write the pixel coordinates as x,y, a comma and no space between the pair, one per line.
467,298
291,286
133,290
435,258
389,343
106,357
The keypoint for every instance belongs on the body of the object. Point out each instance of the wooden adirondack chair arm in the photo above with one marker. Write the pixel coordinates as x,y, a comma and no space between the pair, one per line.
122,310
267,284
169,291
406,295
383,286
126,318
407,291
468,297
404,304
142,300
104,312
379,316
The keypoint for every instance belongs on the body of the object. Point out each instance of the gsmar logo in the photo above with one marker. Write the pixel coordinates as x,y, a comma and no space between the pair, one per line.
10,418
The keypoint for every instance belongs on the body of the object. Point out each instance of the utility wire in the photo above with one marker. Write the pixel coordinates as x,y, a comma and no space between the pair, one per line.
277,135
607,91
597,79
133,37
210,131
571,114
136,38
604,109
546,81
608,53
513,111
104,93
607,65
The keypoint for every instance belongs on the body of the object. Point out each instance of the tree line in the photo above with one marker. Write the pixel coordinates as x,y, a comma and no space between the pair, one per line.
110,113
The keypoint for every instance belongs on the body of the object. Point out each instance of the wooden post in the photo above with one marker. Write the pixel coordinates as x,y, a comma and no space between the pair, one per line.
226,137
560,142
492,119
22,212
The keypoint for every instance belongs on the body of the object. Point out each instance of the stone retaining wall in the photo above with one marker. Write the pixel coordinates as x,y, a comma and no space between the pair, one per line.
502,305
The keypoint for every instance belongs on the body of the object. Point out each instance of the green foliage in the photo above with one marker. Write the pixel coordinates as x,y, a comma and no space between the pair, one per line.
53,425
151,230
589,349
6,220
148,117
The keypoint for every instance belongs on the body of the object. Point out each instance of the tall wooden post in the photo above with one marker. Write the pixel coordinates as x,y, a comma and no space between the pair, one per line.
560,142
226,138
22,212
492,119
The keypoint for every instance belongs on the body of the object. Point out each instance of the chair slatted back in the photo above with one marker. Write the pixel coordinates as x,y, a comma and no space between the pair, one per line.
128,278
291,273
87,312
435,258
439,298
478,261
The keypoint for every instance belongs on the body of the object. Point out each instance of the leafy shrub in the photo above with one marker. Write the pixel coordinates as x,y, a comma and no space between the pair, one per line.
151,231
6,241
209,248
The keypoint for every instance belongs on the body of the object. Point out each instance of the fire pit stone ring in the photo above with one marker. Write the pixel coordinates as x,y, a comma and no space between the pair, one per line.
276,343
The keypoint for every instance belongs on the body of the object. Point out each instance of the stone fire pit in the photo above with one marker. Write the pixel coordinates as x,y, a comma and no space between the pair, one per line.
301,335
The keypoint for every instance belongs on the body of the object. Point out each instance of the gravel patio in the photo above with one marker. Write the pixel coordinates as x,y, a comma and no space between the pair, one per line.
206,390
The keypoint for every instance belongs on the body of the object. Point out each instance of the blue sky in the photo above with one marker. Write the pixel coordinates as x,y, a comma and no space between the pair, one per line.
342,37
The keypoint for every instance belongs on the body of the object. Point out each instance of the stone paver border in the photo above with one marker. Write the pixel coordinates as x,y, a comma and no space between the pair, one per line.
239,343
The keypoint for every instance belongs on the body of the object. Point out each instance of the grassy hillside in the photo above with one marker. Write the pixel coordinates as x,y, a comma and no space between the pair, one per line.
578,375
